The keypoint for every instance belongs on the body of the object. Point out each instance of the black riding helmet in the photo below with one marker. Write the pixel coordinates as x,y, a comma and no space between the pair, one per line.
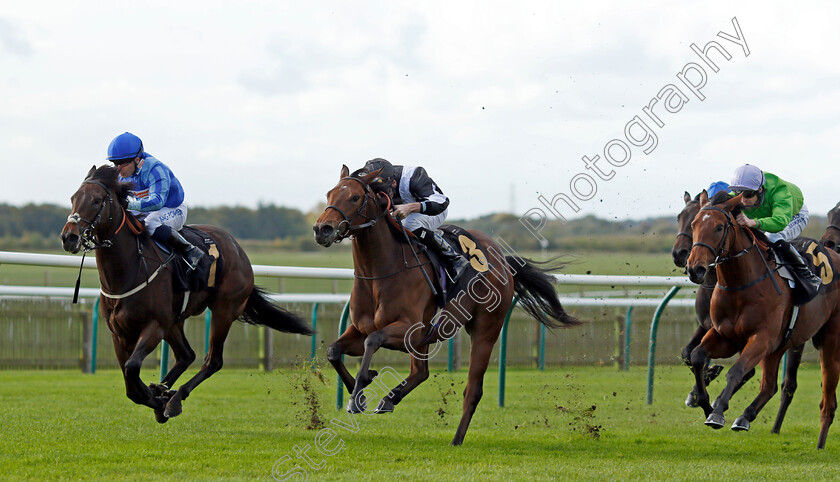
383,181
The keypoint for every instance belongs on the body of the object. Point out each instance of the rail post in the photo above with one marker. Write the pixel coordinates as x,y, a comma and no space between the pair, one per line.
654,326
342,325
503,354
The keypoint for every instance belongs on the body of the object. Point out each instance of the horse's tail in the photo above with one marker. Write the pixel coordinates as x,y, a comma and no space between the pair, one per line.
260,311
535,290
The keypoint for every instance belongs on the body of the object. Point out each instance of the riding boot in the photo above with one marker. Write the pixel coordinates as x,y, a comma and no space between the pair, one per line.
192,255
807,279
434,240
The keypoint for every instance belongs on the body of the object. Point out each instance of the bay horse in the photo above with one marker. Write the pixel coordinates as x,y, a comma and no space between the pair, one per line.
831,237
391,297
137,297
702,309
750,309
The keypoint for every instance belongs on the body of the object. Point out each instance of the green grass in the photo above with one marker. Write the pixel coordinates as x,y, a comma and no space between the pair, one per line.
568,423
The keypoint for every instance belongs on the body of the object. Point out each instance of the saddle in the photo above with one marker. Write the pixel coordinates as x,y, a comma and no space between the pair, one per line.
462,241
205,275
818,261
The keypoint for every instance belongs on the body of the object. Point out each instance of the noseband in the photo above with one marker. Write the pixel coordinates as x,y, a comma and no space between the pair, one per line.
347,222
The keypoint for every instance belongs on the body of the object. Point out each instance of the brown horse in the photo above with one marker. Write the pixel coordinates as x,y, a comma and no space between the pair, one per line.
750,308
702,308
391,297
138,301
831,237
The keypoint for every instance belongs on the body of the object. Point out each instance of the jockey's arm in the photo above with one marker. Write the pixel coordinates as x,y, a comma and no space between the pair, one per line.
782,213
431,199
158,192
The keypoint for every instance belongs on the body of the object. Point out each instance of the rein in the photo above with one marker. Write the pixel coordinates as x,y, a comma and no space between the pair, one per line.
720,258
89,242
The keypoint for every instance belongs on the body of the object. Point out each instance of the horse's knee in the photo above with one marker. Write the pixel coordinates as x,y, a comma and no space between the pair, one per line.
374,340
334,353
215,364
698,356
132,368
189,357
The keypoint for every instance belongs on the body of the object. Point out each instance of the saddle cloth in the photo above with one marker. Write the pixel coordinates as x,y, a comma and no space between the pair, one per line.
462,242
206,274
816,258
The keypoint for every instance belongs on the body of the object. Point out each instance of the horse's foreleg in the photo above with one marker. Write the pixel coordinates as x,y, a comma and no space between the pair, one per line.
213,361
753,352
767,388
351,342
390,335
712,346
136,390
691,400
794,358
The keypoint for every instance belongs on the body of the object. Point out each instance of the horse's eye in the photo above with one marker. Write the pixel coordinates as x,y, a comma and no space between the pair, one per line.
720,227
97,200
354,198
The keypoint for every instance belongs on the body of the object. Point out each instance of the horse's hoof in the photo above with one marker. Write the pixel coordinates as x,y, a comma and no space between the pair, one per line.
158,389
384,406
173,407
741,424
691,400
716,420
353,407
160,417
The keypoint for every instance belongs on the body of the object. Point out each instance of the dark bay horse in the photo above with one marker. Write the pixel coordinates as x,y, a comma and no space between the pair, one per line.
831,237
702,308
391,297
751,306
138,301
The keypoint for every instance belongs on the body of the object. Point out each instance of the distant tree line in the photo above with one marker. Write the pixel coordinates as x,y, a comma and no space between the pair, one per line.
37,226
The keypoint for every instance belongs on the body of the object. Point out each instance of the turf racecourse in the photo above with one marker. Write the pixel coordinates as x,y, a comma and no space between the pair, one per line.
587,423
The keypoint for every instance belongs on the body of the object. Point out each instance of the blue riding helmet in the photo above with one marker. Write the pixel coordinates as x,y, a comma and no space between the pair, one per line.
124,147
717,187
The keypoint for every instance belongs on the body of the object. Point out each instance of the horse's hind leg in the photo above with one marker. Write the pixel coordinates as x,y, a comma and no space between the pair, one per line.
419,374
351,342
136,390
794,358
830,360
767,388
184,354
219,328
481,347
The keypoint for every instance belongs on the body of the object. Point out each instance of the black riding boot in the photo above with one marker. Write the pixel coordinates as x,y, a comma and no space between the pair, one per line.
434,240
807,279
191,254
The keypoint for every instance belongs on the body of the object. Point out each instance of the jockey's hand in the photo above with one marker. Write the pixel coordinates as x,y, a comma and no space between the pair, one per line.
745,221
403,210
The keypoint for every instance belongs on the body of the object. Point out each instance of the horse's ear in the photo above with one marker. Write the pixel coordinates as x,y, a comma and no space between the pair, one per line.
704,197
734,202
345,171
371,176
90,173
687,197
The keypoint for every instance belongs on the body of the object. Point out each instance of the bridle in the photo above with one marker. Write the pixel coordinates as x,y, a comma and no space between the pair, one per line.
347,222
686,233
88,235
720,258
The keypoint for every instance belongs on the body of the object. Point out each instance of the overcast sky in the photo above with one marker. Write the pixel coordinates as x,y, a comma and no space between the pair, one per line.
262,102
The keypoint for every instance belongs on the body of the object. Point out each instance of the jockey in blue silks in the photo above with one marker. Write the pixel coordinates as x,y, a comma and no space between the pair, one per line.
158,195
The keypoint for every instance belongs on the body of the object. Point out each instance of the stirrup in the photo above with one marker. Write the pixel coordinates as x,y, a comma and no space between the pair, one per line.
191,258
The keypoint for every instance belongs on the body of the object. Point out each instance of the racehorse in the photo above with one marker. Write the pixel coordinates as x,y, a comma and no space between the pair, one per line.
137,297
831,237
702,307
391,297
750,308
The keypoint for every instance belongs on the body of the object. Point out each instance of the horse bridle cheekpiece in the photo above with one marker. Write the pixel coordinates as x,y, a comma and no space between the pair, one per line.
718,252
88,236
347,222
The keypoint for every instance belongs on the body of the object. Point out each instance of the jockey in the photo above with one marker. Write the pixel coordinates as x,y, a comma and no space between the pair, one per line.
158,196
776,207
716,187
420,205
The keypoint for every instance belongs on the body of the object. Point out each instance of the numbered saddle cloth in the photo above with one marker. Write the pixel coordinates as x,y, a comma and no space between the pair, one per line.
462,242
205,274
818,261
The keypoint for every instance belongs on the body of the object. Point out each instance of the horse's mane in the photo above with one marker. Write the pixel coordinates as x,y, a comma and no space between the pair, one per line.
109,176
720,198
